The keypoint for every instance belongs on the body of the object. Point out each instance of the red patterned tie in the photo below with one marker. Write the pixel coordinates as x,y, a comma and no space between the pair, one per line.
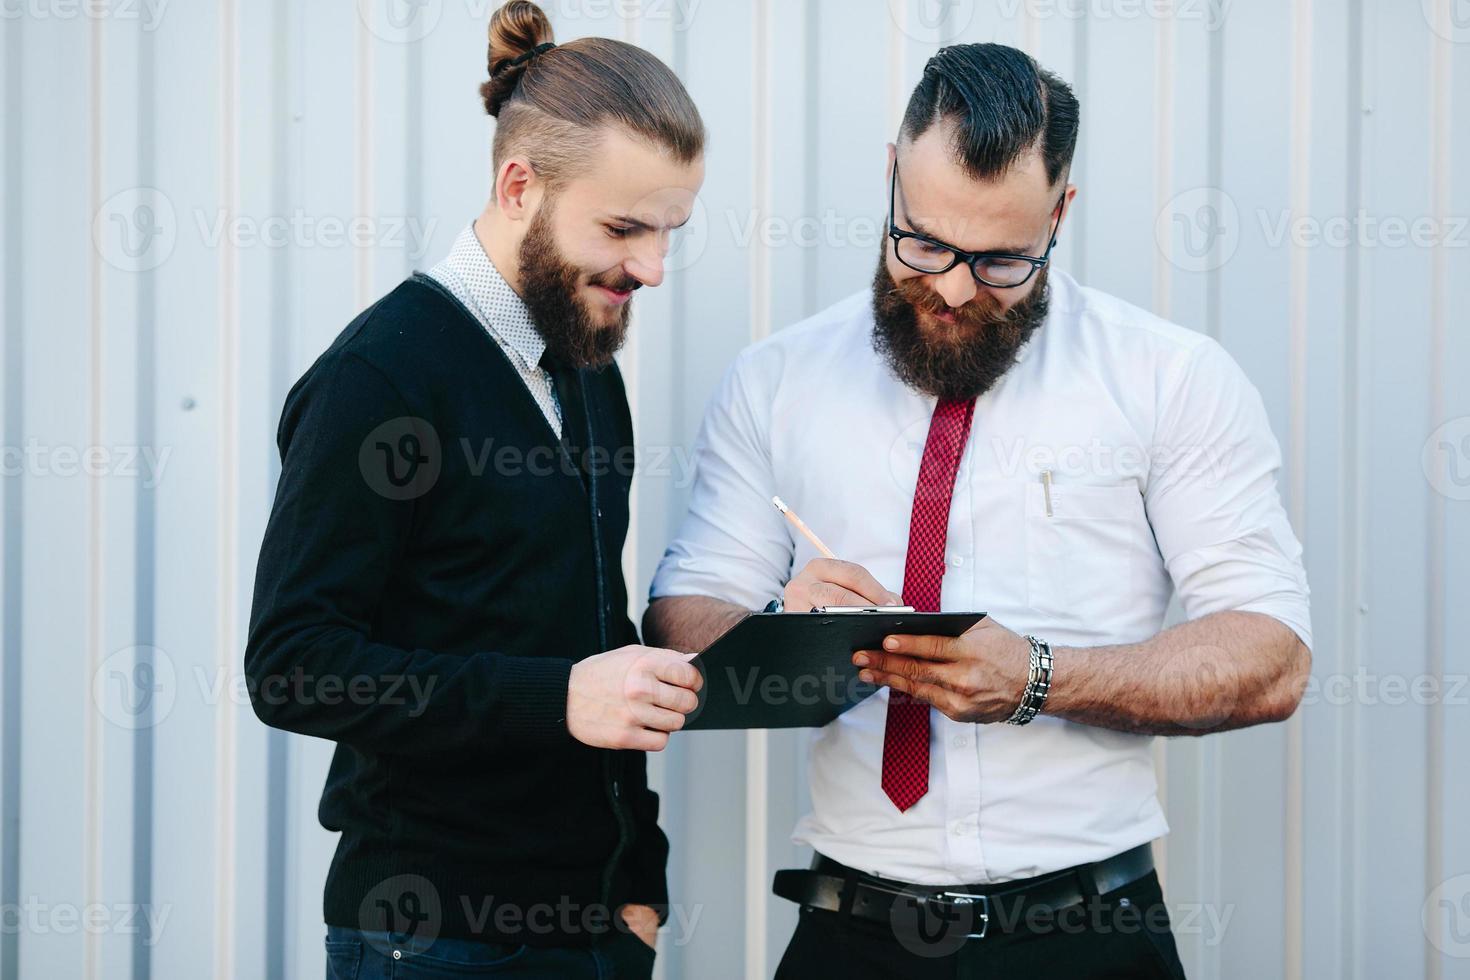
906,738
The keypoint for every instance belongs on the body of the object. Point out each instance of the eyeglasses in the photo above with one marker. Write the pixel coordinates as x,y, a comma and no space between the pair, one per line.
999,270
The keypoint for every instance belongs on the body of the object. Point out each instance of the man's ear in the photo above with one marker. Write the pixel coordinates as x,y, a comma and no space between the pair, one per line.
516,189
1067,199
892,157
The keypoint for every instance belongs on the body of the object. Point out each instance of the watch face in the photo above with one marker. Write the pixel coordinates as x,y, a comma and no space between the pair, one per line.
775,606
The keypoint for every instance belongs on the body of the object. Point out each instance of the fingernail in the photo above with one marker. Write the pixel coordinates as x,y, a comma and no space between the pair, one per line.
866,676
891,643
861,659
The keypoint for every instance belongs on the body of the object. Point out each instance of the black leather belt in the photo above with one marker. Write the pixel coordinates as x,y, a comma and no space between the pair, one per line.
835,887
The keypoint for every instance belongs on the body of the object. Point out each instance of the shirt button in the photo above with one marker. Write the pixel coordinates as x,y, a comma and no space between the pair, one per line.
959,741
957,561
398,954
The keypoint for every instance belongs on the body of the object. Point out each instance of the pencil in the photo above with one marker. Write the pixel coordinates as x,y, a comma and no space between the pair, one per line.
801,526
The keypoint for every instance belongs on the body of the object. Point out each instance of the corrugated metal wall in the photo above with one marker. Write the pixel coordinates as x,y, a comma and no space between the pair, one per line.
199,195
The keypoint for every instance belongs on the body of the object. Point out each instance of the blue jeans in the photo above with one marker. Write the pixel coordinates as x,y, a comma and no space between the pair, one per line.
355,955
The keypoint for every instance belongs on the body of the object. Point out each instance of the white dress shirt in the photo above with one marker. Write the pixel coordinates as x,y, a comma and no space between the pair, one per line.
468,273
1163,478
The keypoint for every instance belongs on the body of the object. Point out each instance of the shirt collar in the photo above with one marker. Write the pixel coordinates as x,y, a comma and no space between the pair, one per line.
1061,299
499,307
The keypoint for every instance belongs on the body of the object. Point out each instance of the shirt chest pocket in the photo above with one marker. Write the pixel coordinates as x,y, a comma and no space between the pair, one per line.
1082,547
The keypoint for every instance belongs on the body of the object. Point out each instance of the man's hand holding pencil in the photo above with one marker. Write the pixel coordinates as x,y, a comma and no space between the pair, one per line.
829,581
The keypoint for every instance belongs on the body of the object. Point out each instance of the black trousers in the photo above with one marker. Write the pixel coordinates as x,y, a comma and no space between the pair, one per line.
1119,934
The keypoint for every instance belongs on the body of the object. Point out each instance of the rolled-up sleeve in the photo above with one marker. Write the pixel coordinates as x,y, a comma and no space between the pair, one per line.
733,544
1213,499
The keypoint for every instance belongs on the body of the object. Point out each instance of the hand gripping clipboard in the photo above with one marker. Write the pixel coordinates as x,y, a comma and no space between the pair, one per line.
795,670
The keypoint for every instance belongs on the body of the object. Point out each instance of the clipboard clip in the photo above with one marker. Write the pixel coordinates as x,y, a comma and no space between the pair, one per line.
829,610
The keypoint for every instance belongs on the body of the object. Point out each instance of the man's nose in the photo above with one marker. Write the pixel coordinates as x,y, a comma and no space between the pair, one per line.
957,286
646,264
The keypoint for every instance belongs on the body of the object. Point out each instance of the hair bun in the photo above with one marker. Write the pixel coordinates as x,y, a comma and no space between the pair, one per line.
516,29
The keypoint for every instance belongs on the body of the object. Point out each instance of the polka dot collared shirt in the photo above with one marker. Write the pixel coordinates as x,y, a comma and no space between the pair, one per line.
468,273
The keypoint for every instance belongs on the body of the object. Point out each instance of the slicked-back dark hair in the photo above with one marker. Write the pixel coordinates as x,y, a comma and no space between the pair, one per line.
1002,105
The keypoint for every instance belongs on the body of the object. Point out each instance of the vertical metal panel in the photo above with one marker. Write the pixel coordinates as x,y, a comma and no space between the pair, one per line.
758,743
790,247
1351,605
1441,136
261,321
1450,615
714,765
55,406
1399,334
1295,456
91,727
1327,529
191,410
119,158
12,421
228,647
1255,326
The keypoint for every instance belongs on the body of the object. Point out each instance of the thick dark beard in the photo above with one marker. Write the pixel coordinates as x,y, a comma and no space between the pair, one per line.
970,355
549,286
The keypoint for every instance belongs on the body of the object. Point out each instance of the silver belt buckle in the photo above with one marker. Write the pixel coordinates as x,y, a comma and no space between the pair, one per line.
963,898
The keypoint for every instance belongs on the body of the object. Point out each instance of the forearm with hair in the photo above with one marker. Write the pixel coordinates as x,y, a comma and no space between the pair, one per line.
1221,671
689,623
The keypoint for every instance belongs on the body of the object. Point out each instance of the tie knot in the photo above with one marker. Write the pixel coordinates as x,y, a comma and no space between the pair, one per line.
952,408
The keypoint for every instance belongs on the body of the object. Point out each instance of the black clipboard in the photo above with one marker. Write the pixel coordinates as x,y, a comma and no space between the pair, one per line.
795,670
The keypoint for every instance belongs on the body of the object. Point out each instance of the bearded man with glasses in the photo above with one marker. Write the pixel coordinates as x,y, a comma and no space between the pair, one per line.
980,432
